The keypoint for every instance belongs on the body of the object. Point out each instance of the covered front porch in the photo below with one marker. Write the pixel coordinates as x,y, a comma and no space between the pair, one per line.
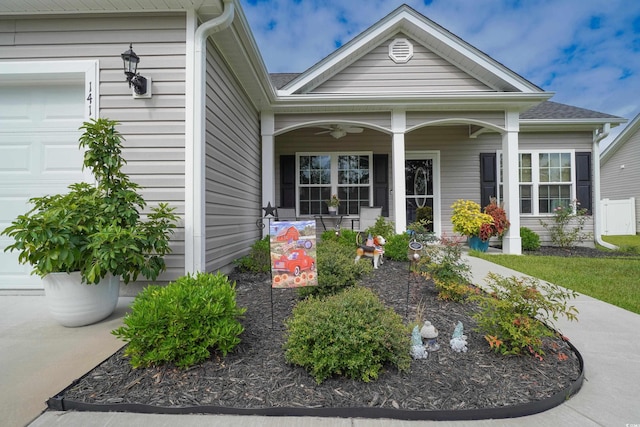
399,160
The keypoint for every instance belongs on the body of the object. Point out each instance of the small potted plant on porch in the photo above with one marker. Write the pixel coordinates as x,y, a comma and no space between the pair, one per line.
478,226
82,242
332,204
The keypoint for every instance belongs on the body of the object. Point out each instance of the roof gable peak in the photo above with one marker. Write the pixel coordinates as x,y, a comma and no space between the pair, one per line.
408,21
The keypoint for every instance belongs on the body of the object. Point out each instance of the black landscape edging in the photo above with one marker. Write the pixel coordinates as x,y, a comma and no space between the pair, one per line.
59,403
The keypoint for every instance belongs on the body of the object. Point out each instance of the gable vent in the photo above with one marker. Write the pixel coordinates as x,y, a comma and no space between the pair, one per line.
400,51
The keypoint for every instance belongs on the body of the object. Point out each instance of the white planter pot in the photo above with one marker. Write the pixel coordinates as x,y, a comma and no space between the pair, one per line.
73,303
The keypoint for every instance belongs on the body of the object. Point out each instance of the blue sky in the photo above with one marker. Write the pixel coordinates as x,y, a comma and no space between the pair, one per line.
586,51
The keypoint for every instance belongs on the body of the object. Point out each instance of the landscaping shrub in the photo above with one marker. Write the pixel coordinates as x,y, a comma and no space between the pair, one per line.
258,260
382,227
350,334
420,231
519,313
566,228
444,265
396,247
530,239
182,322
337,269
346,237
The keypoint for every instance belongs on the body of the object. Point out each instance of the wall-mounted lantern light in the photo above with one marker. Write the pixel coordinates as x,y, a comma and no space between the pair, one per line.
139,83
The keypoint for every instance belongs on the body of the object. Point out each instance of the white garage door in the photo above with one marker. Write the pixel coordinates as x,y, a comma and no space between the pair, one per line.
38,155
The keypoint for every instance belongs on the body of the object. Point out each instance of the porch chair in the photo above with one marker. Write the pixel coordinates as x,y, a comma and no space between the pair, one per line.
286,214
368,217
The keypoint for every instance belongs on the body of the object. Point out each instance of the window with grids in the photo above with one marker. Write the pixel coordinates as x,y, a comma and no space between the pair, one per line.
546,180
348,175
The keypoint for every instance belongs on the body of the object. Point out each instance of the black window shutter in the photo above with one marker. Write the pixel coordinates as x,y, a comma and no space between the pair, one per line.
488,178
381,182
288,181
583,180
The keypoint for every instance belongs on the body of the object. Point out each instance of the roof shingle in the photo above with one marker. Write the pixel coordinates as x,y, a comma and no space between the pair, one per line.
549,110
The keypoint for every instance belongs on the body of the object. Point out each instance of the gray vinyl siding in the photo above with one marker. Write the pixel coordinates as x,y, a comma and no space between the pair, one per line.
154,128
376,72
233,167
622,183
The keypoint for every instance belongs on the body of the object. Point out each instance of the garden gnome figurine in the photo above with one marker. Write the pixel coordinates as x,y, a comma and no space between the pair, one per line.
418,350
430,333
458,339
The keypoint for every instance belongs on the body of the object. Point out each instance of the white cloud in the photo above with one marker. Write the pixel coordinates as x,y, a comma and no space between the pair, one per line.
587,51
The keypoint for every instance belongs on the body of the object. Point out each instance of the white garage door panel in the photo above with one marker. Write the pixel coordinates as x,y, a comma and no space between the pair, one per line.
39,154
12,274
62,157
42,107
14,160
40,157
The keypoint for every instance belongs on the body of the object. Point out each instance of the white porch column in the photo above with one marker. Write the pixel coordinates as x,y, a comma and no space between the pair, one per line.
268,164
398,127
511,242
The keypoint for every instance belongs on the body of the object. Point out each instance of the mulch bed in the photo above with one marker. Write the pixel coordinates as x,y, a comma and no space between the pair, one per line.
255,374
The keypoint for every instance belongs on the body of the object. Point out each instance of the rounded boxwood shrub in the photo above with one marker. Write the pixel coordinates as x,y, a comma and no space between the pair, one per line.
337,268
350,334
530,239
397,247
182,322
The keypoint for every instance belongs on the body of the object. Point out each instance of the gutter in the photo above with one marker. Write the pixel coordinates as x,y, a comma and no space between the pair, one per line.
195,240
598,135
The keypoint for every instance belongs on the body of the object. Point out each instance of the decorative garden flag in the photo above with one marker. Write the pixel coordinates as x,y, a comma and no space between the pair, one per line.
293,254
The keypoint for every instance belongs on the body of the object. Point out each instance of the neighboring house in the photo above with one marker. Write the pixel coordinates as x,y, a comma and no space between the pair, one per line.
620,170
404,115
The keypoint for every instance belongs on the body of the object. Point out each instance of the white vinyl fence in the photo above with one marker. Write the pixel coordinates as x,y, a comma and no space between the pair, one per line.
618,217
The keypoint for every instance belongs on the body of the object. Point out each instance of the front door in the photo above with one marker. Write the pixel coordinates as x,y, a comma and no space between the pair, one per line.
421,179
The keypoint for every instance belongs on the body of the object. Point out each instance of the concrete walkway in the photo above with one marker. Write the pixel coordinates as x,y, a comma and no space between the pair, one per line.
40,358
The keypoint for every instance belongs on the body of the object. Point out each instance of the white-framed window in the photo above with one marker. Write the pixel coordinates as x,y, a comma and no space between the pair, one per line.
546,180
320,175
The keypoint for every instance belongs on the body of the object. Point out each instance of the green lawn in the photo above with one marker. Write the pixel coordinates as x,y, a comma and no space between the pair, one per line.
625,243
614,280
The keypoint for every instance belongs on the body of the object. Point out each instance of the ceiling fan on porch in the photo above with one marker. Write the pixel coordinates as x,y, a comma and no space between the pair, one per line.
338,131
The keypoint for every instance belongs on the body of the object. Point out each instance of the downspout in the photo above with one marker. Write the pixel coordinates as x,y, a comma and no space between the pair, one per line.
201,35
598,135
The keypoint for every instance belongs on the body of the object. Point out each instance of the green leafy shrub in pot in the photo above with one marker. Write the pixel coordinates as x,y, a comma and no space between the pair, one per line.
530,239
95,229
336,269
350,334
182,322
519,313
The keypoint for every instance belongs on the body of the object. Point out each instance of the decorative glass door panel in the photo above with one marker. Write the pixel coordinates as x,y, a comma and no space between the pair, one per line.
419,189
